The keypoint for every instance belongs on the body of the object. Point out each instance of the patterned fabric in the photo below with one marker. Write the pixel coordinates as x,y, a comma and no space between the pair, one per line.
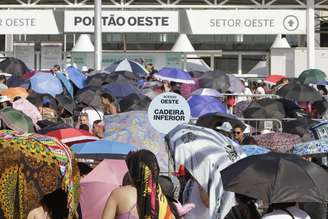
250,150
38,165
311,147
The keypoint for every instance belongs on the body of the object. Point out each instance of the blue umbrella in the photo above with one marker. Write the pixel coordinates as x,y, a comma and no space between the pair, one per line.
322,82
120,89
319,146
46,83
68,86
76,76
128,65
201,105
175,75
102,148
250,150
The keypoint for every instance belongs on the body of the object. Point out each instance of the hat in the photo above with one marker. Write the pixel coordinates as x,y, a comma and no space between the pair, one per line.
226,126
84,68
259,81
4,99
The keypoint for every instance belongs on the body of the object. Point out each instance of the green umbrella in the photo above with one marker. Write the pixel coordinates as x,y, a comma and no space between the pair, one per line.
16,120
311,76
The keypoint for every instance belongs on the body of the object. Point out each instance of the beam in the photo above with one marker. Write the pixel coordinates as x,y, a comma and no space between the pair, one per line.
255,2
310,33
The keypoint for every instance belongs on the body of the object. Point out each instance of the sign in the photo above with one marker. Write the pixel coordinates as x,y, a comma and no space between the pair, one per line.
51,54
123,21
25,52
247,21
28,22
167,111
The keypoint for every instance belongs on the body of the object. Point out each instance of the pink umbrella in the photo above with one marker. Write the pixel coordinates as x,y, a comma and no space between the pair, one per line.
97,186
28,109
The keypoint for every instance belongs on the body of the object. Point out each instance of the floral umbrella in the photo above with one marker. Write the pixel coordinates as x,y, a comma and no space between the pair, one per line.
311,147
32,166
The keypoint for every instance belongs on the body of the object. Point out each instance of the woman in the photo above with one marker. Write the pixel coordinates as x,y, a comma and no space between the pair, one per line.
143,198
285,211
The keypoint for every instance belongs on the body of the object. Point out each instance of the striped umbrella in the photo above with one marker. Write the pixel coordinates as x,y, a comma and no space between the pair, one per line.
128,65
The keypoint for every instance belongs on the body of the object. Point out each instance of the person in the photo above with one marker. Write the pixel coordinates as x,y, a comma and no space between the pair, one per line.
98,129
247,91
238,135
55,69
259,89
245,208
167,86
84,70
224,129
285,211
38,213
84,127
5,102
109,104
3,84
142,199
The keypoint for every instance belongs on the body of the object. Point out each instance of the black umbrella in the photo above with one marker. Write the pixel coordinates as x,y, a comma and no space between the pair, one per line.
217,80
299,126
47,126
265,108
299,92
90,96
66,102
13,66
43,99
321,106
118,75
213,120
277,178
134,102
292,110
99,79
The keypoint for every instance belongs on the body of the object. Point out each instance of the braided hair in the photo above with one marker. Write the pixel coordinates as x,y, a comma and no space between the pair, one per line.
144,171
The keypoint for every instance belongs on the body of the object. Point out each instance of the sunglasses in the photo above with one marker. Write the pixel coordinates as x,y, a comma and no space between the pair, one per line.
236,132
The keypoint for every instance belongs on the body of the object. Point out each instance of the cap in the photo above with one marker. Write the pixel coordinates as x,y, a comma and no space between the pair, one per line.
226,126
4,99
84,68
259,81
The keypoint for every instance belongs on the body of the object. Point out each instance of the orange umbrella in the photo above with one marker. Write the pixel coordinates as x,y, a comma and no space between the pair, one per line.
13,92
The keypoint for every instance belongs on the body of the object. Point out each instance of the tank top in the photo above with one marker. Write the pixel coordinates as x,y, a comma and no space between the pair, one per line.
127,215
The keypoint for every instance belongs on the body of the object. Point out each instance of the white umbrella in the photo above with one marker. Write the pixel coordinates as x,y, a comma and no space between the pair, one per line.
207,92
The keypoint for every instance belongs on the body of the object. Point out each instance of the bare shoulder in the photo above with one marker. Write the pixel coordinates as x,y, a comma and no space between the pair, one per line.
123,190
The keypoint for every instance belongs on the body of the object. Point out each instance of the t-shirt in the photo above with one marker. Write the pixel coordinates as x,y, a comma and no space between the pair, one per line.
280,214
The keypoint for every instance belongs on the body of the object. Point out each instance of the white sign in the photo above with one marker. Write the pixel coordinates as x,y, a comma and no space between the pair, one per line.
28,22
167,111
247,21
25,52
123,21
51,54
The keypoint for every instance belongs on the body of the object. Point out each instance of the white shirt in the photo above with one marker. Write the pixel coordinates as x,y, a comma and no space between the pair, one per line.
280,214
260,90
245,98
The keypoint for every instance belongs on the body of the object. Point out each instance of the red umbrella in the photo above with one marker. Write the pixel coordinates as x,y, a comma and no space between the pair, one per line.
72,135
274,79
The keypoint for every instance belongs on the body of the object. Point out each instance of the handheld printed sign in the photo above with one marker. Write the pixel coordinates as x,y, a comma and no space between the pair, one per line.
167,111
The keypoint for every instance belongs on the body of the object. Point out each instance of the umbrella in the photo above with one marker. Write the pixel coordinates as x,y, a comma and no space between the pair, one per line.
32,166
213,120
299,126
217,80
175,75
201,105
16,120
311,148
123,75
274,79
277,178
236,85
250,150
134,128
102,149
128,65
46,83
134,102
265,108
205,152
13,92
240,107
292,110
98,184
99,79
18,81
41,99
72,135
67,85
13,66
89,96
299,92
76,76
47,126
66,102
120,89
311,76
28,109
321,106
206,92
278,141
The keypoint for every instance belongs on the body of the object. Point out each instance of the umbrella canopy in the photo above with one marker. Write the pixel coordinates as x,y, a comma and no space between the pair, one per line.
124,75
274,79
265,108
13,66
134,128
201,105
40,99
128,65
19,81
102,149
277,178
292,110
16,120
321,106
298,127
98,184
99,79
120,89
207,92
175,75
13,92
236,85
46,83
251,150
32,166
72,135
299,92
134,102
76,76
89,96
312,76
213,120
217,80
278,141
28,109
66,102
47,126
205,152
311,148
67,85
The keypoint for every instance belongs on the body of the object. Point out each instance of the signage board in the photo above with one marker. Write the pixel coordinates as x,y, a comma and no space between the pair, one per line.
28,22
168,110
257,21
51,54
25,52
123,21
